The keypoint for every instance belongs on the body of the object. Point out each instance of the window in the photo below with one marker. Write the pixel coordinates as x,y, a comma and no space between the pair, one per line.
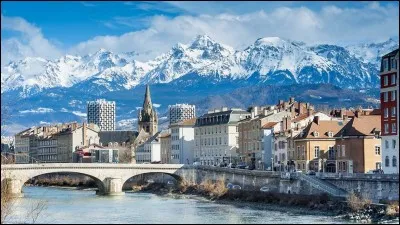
386,128
298,152
393,144
331,152
377,150
316,134
393,96
393,111
385,64
338,150
393,128
385,80
386,144
385,96
386,112
394,161
316,152
393,79
387,161
343,151
330,134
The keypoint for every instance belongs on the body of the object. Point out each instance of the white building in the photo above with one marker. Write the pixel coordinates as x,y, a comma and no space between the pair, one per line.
216,136
181,112
102,113
182,141
149,151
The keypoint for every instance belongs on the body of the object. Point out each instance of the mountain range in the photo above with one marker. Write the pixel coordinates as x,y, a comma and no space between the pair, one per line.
188,73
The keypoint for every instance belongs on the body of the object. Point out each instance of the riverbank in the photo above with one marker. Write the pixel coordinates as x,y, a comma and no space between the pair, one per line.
358,210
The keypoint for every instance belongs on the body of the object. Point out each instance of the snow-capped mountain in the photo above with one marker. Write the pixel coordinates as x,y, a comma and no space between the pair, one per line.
270,60
372,52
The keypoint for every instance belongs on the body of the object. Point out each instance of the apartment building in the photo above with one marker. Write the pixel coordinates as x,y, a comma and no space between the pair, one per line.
149,151
102,113
216,136
182,141
54,143
165,145
389,74
351,145
181,112
251,133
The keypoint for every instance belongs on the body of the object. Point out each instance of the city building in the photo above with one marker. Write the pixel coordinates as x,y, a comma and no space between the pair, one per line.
268,131
121,140
149,151
7,144
182,141
147,117
95,153
389,74
102,113
351,145
181,112
53,143
216,136
165,145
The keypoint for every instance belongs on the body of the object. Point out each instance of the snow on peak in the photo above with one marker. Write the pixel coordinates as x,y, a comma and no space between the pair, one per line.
273,41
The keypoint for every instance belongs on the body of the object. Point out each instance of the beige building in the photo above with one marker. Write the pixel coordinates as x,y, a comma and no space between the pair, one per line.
165,140
351,145
216,136
54,143
182,141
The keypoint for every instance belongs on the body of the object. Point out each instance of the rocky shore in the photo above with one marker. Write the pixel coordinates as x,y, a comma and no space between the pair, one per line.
299,204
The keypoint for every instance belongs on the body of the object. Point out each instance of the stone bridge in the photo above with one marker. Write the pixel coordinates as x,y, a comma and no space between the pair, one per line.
109,178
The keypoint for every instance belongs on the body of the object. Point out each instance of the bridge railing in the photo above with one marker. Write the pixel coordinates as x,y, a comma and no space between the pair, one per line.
362,176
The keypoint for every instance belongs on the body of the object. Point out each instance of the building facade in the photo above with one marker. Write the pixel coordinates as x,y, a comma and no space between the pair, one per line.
182,141
165,145
181,112
102,113
149,151
147,117
216,136
389,74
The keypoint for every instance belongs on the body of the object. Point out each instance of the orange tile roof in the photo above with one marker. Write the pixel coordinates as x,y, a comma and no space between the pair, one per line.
269,125
189,122
300,117
363,126
323,127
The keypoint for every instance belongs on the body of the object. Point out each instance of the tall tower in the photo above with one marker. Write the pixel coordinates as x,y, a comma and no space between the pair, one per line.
102,113
147,118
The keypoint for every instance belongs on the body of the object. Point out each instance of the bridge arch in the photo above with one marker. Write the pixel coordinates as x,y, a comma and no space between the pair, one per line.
177,177
99,183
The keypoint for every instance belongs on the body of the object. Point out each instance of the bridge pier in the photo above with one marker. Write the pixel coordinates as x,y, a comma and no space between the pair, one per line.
13,187
113,186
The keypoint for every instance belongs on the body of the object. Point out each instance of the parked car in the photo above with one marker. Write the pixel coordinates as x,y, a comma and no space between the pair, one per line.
264,189
223,164
311,172
229,186
251,167
378,171
196,164
236,187
231,165
241,165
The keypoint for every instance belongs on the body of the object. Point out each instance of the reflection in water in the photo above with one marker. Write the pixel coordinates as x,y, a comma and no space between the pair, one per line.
73,206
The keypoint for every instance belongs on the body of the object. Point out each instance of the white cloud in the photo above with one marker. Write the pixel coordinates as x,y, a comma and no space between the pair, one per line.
38,110
31,41
44,123
329,25
79,113
156,105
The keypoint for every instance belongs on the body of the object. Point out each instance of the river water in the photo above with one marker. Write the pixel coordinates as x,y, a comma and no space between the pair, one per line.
79,206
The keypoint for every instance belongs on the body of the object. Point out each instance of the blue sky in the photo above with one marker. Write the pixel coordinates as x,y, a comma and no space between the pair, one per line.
153,27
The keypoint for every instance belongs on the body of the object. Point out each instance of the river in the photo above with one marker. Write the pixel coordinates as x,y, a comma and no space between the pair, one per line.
79,206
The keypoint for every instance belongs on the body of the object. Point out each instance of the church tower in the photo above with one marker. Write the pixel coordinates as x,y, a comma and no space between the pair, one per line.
147,118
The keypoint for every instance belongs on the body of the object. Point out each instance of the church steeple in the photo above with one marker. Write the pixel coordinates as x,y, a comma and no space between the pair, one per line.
148,120
147,98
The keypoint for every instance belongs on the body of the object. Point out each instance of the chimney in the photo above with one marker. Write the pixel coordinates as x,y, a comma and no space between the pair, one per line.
291,100
300,108
280,102
309,111
316,120
358,113
84,133
252,115
255,108
265,112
